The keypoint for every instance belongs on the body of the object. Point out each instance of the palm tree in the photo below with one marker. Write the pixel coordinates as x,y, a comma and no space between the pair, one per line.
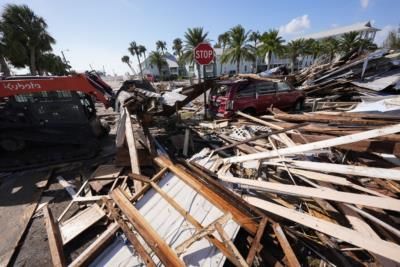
22,28
349,41
238,47
329,46
127,60
134,50
223,40
193,37
271,43
161,45
178,49
255,37
294,49
51,63
142,51
157,59
3,64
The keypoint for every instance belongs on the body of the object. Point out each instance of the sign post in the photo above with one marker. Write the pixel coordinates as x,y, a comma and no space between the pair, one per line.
203,55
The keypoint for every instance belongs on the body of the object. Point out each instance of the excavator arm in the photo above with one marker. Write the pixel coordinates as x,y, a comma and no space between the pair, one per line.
87,83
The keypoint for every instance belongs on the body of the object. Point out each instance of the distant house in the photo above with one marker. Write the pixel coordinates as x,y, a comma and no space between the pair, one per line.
365,30
171,69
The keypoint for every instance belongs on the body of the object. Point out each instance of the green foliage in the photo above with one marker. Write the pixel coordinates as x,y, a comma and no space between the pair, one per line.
25,36
329,46
295,48
161,46
392,41
157,59
135,50
238,47
53,64
271,43
193,37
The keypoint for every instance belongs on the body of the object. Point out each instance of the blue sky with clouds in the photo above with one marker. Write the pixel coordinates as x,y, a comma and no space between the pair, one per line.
98,32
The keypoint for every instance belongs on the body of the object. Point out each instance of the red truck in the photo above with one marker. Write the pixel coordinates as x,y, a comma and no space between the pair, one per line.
253,97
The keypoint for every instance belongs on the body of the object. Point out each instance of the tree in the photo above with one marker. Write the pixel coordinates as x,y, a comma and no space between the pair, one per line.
157,59
255,37
349,41
161,46
329,46
193,37
392,41
127,60
53,64
294,49
134,50
313,48
25,36
177,47
3,64
223,40
142,51
271,43
238,47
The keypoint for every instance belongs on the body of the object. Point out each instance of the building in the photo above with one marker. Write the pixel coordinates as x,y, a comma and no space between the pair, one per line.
365,29
171,69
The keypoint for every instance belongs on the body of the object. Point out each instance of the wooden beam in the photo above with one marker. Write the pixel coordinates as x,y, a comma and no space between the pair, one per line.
166,255
54,238
287,249
130,140
364,171
256,241
321,192
147,186
317,145
239,216
228,242
96,247
380,247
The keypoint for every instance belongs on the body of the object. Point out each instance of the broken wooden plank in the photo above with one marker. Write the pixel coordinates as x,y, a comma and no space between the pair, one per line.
70,188
216,199
255,245
133,155
317,145
167,256
54,238
96,247
75,225
287,249
380,247
321,192
104,175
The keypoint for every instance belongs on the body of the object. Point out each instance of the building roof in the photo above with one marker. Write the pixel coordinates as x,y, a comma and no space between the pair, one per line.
361,26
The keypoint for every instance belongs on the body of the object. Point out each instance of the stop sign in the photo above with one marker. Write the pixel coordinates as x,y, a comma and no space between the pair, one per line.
204,54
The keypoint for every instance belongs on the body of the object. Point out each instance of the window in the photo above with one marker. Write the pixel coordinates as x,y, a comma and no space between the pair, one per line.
265,88
247,91
281,87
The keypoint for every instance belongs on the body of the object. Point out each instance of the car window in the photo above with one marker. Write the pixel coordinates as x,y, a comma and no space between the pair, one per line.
247,91
281,87
265,88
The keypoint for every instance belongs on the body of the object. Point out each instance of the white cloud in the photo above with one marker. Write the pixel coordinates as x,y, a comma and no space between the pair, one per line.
296,25
383,33
364,3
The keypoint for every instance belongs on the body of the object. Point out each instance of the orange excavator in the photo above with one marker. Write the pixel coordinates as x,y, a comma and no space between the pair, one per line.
50,113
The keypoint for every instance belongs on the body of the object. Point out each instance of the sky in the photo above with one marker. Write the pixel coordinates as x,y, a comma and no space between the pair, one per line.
97,33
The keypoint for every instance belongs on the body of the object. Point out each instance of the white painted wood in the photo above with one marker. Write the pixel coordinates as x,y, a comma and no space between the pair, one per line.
70,188
321,192
378,246
373,172
342,140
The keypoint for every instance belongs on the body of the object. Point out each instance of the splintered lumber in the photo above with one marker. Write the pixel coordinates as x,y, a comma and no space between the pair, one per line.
321,192
167,256
103,175
54,238
216,199
378,246
290,256
120,134
19,197
96,247
364,171
228,242
75,225
347,139
328,119
147,186
133,155
256,241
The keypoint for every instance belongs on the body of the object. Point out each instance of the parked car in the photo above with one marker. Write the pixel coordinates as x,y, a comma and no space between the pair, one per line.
253,97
